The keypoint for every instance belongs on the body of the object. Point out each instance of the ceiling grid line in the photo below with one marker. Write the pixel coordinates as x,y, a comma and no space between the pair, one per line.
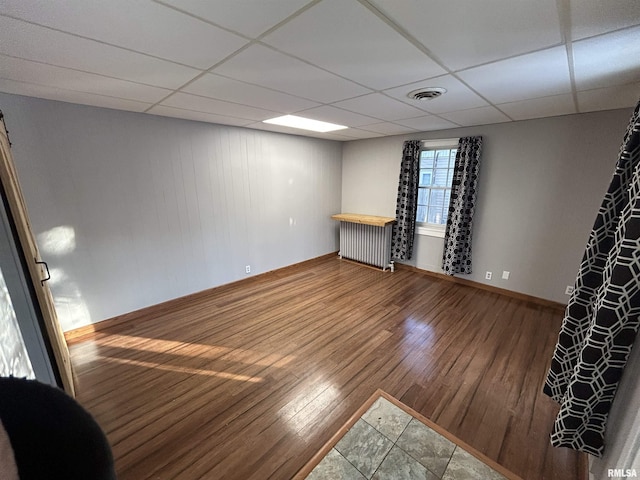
64,32
564,13
349,62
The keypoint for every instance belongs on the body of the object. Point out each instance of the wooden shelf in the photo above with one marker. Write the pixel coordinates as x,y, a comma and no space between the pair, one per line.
365,219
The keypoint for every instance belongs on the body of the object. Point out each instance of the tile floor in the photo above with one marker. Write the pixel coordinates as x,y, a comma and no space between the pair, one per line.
388,443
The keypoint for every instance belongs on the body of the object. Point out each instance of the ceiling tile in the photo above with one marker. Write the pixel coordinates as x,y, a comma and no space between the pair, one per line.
427,122
223,88
263,66
477,116
593,17
360,46
57,77
540,107
171,35
619,96
470,32
537,74
457,97
327,113
249,17
24,40
388,128
198,116
357,134
380,106
612,59
218,107
59,94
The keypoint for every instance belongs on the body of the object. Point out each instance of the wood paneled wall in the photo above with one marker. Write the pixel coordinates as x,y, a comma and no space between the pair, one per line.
132,210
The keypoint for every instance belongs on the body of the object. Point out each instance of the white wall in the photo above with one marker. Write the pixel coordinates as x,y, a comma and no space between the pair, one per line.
541,183
131,210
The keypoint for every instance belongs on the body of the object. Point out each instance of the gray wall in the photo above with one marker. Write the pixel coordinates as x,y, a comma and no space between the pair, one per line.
541,183
131,210
622,437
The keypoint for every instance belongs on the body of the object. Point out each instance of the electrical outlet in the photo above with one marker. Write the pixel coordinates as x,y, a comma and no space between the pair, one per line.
488,275
505,275
247,269
568,290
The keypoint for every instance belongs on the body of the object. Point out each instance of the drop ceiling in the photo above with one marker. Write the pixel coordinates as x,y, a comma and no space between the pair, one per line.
351,62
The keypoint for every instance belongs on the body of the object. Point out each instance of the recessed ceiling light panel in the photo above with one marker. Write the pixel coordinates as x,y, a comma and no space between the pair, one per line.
304,123
427,93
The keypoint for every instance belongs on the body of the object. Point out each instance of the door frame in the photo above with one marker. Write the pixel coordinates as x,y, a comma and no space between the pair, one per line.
37,270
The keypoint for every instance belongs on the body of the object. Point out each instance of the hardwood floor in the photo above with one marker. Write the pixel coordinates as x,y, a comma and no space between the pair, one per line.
250,381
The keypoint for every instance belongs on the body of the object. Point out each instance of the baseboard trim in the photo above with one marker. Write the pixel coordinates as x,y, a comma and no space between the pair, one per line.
490,288
78,334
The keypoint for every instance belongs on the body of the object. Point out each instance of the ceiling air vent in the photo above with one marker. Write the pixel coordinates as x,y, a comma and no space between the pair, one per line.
428,93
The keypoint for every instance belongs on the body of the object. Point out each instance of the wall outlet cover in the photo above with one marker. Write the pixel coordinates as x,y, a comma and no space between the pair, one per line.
247,269
488,275
568,290
505,275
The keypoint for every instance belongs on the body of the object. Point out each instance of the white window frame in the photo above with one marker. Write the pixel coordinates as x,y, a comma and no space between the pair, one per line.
431,229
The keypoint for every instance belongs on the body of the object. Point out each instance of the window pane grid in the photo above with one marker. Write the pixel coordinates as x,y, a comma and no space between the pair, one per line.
434,188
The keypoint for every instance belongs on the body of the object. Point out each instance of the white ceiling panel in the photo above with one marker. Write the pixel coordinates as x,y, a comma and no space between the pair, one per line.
357,134
612,59
457,97
533,75
57,77
388,128
24,40
465,33
210,105
427,122
593,17
619,96
62,95
171,35
350,62
327,113
198,116
249,17
223,88
360,46
540,107
380,106
263,66
477,116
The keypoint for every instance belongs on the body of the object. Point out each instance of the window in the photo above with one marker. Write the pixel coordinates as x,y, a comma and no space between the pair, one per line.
437,161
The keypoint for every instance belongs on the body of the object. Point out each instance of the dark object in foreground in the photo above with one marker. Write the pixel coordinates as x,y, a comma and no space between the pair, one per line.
52,436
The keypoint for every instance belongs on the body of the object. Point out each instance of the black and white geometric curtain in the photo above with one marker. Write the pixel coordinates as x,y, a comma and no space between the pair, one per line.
603,314
456,257
407,202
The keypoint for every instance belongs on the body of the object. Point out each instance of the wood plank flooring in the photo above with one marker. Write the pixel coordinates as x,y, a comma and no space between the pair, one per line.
250,381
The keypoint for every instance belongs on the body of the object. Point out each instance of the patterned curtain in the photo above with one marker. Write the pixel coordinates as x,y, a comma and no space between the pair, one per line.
603,314
407,203
456,257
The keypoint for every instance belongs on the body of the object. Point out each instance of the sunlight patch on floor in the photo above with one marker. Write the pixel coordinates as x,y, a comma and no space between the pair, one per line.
159,345
188,370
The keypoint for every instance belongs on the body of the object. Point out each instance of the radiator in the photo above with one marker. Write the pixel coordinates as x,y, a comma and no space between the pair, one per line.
366,242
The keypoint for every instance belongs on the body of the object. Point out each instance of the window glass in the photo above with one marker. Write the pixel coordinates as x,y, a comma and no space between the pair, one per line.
434,188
